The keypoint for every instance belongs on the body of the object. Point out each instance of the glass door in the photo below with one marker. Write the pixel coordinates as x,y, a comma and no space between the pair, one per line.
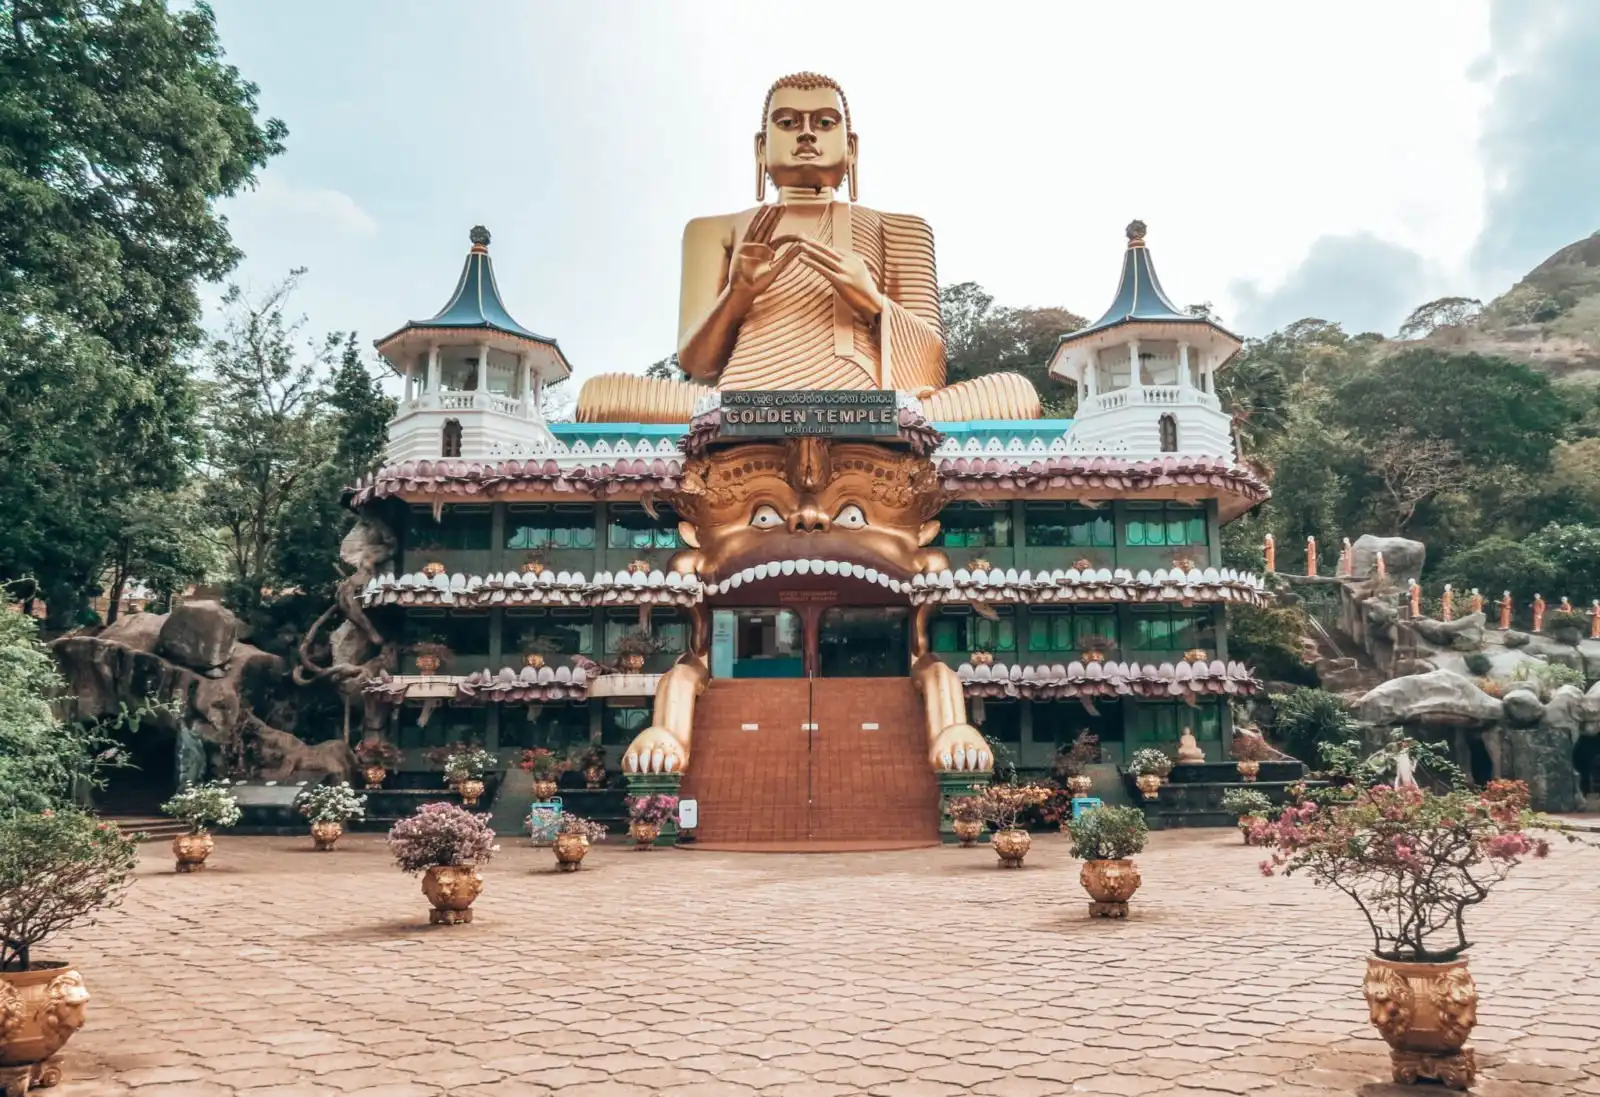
864,642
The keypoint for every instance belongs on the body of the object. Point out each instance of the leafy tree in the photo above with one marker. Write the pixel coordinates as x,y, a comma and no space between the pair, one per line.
1268,639
1445,312
1574,555
1305,719
1497,564
666,369
981,338
160,542
121,127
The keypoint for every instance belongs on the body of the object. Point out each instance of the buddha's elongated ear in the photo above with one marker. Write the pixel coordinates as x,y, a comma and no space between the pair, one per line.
761,167
854,145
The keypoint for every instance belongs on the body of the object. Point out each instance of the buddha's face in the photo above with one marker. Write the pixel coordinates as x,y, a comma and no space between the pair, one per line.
806,141
744,507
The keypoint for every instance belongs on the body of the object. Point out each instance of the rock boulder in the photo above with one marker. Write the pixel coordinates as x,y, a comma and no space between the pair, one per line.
137,631
1438,697
1462,634
1522,708
199,635
1402,558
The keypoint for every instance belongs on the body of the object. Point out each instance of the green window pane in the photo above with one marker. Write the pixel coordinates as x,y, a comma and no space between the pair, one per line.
1136,532
1197,531
1006,635
1039,633
945,636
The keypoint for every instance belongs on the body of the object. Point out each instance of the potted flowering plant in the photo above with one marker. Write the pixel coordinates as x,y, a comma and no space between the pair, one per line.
1249,751
1105,839
377,757
966,818
446,844
1095,649
1072,763
57,869
1249,807
634,647
545,766
981,656
1150,767
646,814
573,835
1414,862
330,807
431,655
1002,805
464,772
201,807
592,761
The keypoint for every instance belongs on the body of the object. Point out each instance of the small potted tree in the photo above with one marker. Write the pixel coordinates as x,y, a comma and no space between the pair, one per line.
1003,805
1249,806
58,868
1095,649
377,757
981,656
1105,838
536,648
966,819
592,761
545,766
1072,764
573,835
202,807
330,807
634,648
447,844
1414,862
1249,751
464,770
1150,767
646,814
432,655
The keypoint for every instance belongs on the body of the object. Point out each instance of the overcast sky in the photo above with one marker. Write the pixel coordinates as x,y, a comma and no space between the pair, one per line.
1348,160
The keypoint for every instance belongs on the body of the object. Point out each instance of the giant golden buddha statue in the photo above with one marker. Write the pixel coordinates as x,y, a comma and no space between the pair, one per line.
808,292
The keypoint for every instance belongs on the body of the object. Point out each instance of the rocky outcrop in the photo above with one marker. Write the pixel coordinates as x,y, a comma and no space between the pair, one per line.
1440,697
1402,558
199,635
1462,634
1522,708
279,755
1541,753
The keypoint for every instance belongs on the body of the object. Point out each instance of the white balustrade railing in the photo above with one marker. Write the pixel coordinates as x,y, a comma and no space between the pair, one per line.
468,401
1159,395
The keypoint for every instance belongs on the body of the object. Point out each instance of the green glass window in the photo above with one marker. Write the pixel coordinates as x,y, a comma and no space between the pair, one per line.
1172,629
568,632
632,528
975,525
618,725
1068,525
1002,721
460,528
465,633
669,629
1163,524
1070,630
1162,723
957,630
537,526
557,725
446,724
1059,722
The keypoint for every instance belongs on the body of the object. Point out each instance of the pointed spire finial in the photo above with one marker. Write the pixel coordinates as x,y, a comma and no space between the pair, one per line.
1136,230
479,237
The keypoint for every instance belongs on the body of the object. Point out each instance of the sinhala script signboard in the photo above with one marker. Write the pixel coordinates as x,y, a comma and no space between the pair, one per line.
817,412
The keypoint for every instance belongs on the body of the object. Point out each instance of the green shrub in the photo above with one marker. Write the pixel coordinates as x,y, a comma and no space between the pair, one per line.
1566,619
1108,834
56,869
1478,664
204,806
1246,801
1307,718
1546,678
1269,641
1148,761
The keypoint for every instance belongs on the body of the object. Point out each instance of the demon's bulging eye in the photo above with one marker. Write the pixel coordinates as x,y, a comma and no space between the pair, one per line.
851,517
766,516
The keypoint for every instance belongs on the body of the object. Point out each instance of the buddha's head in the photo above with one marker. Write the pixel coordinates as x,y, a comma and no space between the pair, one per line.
805,139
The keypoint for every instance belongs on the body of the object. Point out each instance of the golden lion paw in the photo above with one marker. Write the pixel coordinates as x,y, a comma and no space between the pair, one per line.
655,750
962,748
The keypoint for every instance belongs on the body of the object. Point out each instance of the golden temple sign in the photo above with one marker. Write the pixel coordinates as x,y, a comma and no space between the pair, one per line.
870,413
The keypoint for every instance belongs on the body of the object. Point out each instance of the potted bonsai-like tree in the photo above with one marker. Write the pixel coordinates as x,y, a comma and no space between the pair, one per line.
377,757
57,869
432,655
573,835
966,819
646,814
1249,807
535,648
1249,751
1003,805
634,648
330,807
1072,764
1095,649
1414,862
464,770
1104,838
1150,767
591,760
447,844
202,807
545,766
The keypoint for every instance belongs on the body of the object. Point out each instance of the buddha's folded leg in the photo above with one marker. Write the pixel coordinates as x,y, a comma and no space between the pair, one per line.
632,398
992,396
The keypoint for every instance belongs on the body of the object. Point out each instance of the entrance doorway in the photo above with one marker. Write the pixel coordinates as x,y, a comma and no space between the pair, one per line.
757,643
864,642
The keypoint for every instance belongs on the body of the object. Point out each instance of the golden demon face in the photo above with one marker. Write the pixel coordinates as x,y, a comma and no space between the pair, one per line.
851,503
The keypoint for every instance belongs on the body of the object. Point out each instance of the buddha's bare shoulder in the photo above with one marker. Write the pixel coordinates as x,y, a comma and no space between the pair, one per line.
717,228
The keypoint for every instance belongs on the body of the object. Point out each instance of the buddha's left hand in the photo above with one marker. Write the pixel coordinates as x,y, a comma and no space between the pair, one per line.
848,273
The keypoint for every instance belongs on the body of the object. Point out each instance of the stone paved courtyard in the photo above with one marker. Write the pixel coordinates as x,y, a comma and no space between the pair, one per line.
916,974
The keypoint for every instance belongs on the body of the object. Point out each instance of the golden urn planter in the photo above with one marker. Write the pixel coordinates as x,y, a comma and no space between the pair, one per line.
631,664
1246,824
451,889
1149,784
570,849
191,851
595,776
1425,1012
1011,846
40,1009
533,659
428,664
374,776
544,789
1079,785
644,835
470,791
981,659
968,831
1249,771
1110,885
1093,655
325,834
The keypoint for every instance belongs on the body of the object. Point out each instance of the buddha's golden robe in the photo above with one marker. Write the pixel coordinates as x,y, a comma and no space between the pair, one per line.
799,334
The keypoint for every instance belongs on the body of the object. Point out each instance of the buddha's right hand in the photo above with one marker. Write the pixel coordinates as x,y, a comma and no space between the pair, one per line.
756,264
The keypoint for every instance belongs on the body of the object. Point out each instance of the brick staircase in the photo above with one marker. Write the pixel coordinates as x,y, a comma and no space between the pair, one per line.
779,787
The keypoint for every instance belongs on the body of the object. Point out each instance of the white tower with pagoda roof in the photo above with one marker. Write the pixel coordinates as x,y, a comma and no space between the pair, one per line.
473,375
1146,372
